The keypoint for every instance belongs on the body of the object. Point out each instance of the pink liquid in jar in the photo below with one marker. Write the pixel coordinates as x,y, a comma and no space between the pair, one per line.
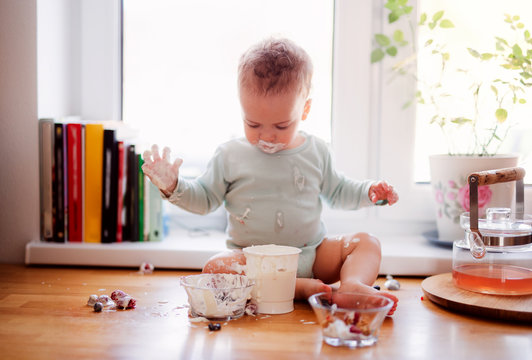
501,279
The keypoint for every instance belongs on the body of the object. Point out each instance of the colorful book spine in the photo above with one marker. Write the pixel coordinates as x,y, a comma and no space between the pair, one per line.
83,167
120,192
75,184
140,198
130,229
109,186
46,155
155,213
146,208
93,182
58,185
65,181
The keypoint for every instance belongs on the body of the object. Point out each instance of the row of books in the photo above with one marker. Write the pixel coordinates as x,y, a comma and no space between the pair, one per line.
92,188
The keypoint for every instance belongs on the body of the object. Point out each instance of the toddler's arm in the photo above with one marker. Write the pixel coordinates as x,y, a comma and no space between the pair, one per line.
382,191
161,171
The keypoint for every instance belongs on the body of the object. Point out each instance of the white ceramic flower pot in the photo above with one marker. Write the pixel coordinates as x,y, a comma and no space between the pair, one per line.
451,190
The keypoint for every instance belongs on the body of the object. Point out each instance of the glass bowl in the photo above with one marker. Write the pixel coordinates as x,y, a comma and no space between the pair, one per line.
217,296
350,319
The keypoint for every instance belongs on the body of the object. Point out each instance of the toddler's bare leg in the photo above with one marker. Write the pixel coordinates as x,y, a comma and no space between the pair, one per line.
227,262
352,259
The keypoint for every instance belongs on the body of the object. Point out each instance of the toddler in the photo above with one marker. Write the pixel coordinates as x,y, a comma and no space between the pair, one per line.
273,180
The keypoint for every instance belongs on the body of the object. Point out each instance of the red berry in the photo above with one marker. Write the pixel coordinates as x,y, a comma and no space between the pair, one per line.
117,294
356,318
353,329
132,303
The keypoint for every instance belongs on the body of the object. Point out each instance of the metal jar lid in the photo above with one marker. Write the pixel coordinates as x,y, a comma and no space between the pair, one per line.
501,227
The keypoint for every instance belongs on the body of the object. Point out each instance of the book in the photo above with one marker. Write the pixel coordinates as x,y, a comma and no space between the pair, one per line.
74,182
155,213
65,181
131,196
120,213
109,186
58,181
146,216
93,182
140,197
83,183
46,154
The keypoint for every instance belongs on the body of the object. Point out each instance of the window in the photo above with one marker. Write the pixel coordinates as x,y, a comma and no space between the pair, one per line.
476,32
180,67
396,157
172,83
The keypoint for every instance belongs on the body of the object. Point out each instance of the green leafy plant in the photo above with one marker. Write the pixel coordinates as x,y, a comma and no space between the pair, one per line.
502,89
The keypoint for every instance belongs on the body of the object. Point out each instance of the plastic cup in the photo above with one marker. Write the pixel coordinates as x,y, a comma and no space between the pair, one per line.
273,268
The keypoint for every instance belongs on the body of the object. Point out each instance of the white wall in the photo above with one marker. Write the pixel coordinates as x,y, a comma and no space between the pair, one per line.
19,169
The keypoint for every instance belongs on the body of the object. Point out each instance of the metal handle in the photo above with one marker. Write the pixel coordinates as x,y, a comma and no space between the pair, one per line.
490,177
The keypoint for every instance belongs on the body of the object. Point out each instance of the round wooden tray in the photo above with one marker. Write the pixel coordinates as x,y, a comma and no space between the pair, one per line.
441,290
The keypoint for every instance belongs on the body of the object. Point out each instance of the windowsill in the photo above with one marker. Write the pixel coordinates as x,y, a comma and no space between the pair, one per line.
401,255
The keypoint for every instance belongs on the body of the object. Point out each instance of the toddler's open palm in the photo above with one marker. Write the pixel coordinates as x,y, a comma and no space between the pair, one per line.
160,170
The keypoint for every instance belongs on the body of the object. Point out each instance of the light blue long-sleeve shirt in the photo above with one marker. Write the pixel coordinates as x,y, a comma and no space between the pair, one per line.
271,198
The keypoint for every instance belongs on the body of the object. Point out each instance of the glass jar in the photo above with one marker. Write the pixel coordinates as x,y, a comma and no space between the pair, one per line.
495,255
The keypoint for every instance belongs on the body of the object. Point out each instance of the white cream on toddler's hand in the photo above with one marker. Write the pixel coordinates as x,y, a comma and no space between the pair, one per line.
161,171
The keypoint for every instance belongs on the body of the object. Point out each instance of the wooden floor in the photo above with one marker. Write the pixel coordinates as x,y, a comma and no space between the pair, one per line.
43,315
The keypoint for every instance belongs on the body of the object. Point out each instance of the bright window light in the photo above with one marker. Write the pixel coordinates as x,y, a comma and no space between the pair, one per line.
180,67
477,23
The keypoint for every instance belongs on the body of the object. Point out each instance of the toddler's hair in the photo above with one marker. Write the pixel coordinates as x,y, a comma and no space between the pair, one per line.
275,66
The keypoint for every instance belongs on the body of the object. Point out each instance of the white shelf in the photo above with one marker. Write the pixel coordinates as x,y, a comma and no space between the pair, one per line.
180,251
414,256
401,255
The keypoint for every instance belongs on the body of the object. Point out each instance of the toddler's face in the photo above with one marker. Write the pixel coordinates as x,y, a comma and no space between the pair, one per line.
271,122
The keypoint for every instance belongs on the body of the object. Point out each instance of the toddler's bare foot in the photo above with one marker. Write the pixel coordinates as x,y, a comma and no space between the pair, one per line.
366,289
307,287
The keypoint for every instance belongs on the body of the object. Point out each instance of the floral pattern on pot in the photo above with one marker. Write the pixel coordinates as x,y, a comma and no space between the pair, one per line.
452,199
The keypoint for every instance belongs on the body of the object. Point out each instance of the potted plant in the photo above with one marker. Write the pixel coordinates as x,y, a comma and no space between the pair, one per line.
475,119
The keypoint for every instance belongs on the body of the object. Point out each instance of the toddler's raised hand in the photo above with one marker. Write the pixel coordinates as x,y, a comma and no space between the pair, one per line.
161,171
382,191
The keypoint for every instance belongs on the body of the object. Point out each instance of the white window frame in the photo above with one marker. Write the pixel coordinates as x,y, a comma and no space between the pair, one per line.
370,140
79,59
